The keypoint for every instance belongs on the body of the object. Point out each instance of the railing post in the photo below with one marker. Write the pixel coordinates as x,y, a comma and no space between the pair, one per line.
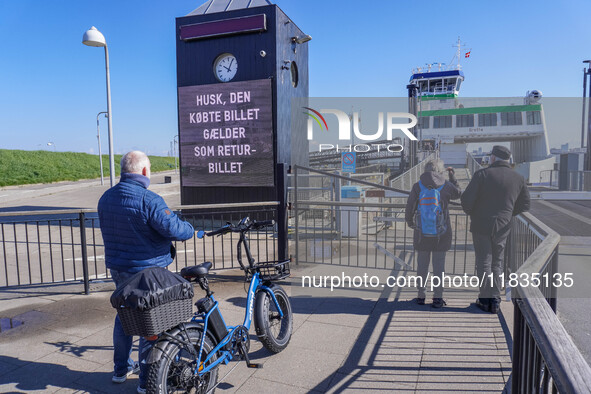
517,348
84,253
553,289
296,234
282,244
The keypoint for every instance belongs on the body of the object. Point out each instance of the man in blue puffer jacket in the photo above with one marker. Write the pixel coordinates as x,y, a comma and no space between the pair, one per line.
137,228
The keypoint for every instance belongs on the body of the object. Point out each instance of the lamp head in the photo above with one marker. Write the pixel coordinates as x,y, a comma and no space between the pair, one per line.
301,40
94,38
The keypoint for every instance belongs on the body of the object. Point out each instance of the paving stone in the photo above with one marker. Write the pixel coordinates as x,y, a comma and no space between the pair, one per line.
329,338
299,367
262,386
32,347
363,382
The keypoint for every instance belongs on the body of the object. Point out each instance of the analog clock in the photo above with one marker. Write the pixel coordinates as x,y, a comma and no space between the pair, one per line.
225,67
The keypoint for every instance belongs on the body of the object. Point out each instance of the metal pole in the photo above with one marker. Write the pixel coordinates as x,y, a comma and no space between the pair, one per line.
84,253
110,118
282,231
584,105
412,108
176,150
296,213
98,137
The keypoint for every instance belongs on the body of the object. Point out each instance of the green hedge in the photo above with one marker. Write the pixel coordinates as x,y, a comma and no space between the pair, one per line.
19,167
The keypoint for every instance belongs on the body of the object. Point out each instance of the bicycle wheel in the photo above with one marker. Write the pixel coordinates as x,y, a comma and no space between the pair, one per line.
272,330
174,372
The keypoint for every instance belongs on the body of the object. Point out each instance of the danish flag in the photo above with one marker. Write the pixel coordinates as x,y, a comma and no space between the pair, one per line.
468,53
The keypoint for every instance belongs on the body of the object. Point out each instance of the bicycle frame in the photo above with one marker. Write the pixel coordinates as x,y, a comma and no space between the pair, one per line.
255,286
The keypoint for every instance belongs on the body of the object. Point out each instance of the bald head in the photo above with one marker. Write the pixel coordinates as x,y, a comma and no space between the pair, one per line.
135,162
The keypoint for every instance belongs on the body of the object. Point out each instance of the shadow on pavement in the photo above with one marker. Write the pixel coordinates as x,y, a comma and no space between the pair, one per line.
40,376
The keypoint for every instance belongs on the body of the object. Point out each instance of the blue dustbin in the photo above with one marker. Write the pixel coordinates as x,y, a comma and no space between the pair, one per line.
351,192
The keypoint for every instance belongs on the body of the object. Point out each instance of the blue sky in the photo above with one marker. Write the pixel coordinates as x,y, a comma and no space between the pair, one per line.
53,86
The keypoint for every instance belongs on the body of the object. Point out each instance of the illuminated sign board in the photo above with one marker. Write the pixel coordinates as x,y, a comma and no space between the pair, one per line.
223,27
226,134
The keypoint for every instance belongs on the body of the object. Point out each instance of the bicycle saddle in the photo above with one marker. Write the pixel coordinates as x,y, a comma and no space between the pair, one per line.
197,271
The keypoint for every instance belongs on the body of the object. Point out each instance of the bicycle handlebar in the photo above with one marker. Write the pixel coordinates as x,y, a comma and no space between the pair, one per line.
244,226
221,230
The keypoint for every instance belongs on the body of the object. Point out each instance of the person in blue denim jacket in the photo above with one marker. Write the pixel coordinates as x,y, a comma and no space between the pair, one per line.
138,229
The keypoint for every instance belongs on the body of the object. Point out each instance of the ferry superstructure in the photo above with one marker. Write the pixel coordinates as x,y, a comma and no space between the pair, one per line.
449,122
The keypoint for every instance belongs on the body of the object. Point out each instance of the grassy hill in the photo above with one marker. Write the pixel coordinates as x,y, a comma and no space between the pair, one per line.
19,167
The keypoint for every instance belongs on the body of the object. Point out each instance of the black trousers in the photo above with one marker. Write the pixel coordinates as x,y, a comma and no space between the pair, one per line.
490,253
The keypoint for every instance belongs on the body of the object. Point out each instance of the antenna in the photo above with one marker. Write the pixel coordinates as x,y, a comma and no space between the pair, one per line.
458,54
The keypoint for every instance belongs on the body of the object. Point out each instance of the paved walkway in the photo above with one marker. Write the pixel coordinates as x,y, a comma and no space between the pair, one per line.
364,343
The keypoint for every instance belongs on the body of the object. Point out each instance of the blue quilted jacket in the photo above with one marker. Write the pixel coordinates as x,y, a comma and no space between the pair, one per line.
137,226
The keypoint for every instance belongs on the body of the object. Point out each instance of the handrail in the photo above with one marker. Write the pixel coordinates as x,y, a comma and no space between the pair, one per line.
174,208
358,204
567,366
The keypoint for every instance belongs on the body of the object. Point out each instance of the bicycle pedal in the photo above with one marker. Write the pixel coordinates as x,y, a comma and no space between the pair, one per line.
253,365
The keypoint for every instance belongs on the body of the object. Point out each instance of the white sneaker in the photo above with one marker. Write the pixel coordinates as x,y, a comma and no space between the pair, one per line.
122,378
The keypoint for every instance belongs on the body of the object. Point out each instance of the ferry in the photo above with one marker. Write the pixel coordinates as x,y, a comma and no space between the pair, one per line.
448,123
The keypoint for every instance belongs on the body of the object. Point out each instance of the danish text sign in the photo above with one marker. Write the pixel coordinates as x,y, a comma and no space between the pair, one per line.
226,134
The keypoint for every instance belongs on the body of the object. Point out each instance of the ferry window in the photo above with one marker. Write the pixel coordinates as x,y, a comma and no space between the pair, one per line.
435,85
459,83
511,118
450,84
440,122
487,120
534,117
465,120
424,122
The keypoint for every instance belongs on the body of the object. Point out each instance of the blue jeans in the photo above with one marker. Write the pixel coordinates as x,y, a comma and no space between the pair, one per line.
122,343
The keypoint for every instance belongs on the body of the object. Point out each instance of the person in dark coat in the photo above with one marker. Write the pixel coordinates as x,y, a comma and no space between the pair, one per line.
433,178
137,228
495,194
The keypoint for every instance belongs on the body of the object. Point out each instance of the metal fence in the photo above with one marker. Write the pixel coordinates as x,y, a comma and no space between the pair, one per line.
545,359
39,247
472,164
571,181
367,232
548,178
405,180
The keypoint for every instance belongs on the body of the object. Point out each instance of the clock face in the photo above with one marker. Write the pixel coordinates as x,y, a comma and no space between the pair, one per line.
225,67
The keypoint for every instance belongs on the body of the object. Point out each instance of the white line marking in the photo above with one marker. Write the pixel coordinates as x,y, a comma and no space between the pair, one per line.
566,211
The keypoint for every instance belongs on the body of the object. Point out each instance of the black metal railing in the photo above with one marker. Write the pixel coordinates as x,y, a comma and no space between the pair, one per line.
41,247
372,235
545,359
368,233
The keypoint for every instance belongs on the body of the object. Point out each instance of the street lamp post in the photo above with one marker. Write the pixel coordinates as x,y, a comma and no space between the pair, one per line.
175,151
98,137
94,38
587,72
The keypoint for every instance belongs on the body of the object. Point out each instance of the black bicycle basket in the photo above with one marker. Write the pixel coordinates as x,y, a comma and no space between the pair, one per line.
272,270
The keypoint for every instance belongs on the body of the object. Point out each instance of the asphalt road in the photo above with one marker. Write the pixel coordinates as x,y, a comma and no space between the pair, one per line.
572,220
77,195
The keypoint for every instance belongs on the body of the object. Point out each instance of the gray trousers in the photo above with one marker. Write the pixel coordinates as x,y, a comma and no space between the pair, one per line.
423,258
490,253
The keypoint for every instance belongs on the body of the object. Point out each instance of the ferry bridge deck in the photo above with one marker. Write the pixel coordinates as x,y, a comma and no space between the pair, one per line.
371,340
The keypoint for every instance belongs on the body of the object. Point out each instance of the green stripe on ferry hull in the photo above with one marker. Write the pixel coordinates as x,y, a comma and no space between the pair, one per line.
438,97
481,110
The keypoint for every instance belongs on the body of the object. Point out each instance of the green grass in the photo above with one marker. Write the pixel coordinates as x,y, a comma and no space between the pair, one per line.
19,167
